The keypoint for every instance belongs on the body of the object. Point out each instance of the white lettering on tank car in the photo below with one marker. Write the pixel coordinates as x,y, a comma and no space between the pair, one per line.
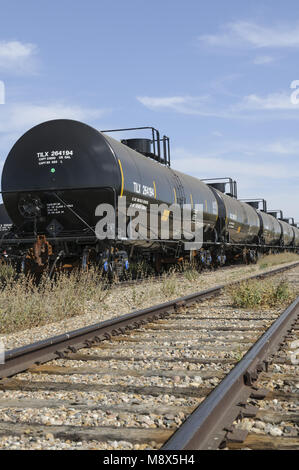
137,187
138,206
56,208
148,191
143,189
4,227
54,156
141,201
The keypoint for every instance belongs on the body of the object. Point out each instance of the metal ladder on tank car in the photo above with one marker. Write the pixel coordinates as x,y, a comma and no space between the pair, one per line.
180,199
180,191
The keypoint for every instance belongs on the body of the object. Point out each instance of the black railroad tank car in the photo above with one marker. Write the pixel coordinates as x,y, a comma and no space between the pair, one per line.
288,234
241,221
271,229
59,172
71,168
64,156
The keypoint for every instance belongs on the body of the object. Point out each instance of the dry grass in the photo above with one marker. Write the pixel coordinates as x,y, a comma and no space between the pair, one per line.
191,274
135,297
256,294
140,270
23,304
169,286
268,261
7,273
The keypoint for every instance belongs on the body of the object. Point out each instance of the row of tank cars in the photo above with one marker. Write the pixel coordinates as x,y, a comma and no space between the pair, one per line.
58,172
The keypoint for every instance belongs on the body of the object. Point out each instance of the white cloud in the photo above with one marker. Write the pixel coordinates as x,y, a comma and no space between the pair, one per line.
248,34
20,117
15,119
217,134
181,104
192,105
263,174
263,60
287,147
272,101
251,106
17,57
202,165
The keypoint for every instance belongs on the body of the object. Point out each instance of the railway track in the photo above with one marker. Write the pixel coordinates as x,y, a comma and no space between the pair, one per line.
275,422
141,381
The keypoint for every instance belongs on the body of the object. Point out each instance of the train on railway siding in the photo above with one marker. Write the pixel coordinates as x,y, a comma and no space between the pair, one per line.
57,174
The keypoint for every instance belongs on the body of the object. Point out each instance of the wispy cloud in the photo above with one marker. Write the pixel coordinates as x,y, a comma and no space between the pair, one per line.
15,119
248,107
193,105
272,101
286,147
17,57
19,117
248,34
211,166
217,134
181,104
255,176
264,60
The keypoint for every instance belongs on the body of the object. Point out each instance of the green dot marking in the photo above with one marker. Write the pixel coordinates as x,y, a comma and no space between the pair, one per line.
53,170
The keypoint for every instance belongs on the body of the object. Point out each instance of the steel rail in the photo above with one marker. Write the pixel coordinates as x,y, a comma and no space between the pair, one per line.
208,426
20,359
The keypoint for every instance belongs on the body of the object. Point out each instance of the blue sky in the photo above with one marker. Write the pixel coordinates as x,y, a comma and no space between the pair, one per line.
215,76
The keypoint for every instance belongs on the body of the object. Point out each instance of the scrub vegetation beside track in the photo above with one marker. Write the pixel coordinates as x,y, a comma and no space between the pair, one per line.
254,294
74,300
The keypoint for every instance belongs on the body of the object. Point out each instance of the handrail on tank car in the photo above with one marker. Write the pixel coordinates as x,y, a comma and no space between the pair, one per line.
156,140
275,212
290,221
226,179
255,203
